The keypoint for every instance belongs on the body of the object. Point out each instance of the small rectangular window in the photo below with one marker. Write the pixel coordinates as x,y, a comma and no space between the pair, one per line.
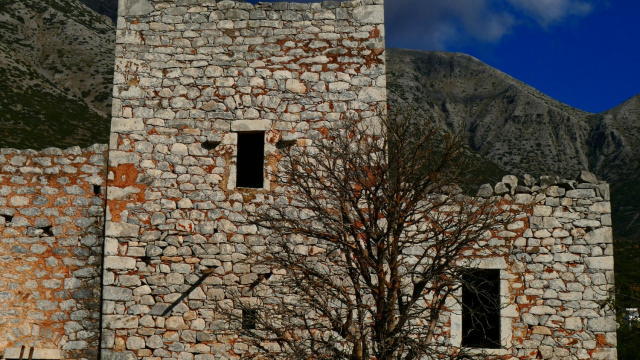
249,319
481,309
250,163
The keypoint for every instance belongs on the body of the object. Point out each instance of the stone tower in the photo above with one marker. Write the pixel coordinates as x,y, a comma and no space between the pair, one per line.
198,85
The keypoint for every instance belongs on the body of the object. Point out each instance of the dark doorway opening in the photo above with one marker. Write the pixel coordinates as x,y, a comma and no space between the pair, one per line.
481,309
250,164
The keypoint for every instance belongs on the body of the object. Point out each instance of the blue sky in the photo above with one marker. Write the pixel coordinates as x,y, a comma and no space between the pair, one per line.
585,53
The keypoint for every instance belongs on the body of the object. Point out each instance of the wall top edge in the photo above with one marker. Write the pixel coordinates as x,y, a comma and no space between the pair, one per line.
53,151
148,7
549,185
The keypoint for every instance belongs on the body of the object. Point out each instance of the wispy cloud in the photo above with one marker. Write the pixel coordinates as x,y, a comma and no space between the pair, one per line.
547,12
439,24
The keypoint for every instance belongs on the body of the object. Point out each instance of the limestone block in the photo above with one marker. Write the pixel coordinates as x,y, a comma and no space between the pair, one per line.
251,125
485,191
602,324
573,323
602,235
369,14
120,229
124,126
112,355
538,222
586,223
372,94
134,7
119,263
38,353
296,86
599,263
581,193
115,322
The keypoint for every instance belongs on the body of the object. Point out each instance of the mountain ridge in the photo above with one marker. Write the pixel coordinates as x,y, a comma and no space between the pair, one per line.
520,128
56,65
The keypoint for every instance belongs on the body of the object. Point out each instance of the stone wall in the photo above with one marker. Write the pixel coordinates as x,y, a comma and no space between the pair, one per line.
190,77
556,262
51,221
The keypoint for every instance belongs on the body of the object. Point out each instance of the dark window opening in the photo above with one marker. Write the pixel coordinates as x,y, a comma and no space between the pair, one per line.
285,144
250,164
7,218
210,144
97,189
46,230
249,319
481,309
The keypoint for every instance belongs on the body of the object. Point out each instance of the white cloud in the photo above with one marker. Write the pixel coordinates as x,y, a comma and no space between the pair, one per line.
551,11
437,24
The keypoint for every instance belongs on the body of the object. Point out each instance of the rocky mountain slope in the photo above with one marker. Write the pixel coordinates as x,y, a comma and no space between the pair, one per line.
521,129
56,70
104,7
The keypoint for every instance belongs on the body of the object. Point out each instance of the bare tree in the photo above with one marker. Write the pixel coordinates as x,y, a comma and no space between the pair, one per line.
366,229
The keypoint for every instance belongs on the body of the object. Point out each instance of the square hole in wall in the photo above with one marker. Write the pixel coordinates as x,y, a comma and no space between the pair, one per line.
250,161
249,319
481,309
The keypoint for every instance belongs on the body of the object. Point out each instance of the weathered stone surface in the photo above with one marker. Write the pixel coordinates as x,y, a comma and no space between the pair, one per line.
485,191
119,229
120,321
599,263
581,193
372,14
210,69
134,7
587,177
53,261
119,263
501,188
602,235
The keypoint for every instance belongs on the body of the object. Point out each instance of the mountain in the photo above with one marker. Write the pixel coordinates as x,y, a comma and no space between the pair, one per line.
521,129
505,120
56,74
104,7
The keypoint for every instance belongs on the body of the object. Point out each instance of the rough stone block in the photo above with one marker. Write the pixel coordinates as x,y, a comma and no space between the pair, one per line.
369,14
134,7
120,229
115,322
599,263
602,235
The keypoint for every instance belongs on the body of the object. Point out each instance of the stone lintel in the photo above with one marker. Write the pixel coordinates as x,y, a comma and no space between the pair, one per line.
38,353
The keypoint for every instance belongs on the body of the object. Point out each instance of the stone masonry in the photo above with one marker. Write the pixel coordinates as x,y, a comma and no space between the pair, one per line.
191,78
51,221
556,269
